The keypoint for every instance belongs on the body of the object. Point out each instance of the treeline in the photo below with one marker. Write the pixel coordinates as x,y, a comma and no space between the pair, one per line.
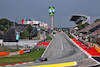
63,28
5,24
25,34
97,20
81,26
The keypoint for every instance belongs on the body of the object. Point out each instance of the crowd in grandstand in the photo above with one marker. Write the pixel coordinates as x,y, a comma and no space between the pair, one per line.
96,32
90,26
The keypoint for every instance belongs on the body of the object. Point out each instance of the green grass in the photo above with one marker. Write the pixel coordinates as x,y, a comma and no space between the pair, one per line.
27,57
70,36
48,37
93,42
4,48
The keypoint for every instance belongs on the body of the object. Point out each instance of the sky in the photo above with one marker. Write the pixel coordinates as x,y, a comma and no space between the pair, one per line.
15,10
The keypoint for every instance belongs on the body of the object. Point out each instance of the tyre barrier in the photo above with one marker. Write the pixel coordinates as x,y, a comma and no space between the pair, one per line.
21,52
25,51
4,53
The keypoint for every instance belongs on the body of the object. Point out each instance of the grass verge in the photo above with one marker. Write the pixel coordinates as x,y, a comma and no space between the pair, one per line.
93,42
27,57
70,36
48,37
5,48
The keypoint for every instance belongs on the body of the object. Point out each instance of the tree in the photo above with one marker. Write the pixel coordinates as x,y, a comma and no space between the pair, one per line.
5,22
5,30
97,20
81,26
1,27
84,25
24,35
29,28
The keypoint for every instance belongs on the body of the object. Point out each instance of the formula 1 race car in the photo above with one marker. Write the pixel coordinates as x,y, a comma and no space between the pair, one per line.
41,59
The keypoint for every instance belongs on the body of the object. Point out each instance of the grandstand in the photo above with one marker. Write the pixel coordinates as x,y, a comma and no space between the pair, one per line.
96,32
87,33
92,32
89,27
92,29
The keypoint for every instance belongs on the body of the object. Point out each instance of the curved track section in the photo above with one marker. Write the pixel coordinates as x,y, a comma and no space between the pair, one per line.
60,50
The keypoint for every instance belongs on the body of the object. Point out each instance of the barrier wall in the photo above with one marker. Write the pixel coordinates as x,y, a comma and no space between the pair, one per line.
24,51
4,53
97,48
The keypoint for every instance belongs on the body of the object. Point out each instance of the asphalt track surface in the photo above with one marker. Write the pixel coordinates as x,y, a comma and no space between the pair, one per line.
60,50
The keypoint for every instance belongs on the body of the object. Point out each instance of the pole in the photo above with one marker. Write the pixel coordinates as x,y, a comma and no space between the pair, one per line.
14,24
17,45
51,17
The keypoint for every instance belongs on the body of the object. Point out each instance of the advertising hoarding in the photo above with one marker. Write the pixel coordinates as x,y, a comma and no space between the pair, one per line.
51,10
31,22
17,35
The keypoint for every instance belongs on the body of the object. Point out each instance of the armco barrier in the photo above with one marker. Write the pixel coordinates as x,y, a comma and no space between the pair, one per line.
97,48
4,53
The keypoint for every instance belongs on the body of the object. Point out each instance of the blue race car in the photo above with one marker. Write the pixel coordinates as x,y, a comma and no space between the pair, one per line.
41,59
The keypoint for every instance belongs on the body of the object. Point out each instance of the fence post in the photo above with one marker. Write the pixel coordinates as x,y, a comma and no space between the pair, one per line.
17,46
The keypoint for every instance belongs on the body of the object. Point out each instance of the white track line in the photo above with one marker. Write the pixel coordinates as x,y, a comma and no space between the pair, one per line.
61,43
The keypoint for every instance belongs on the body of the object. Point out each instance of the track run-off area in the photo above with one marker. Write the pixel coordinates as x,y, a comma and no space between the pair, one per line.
60,51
